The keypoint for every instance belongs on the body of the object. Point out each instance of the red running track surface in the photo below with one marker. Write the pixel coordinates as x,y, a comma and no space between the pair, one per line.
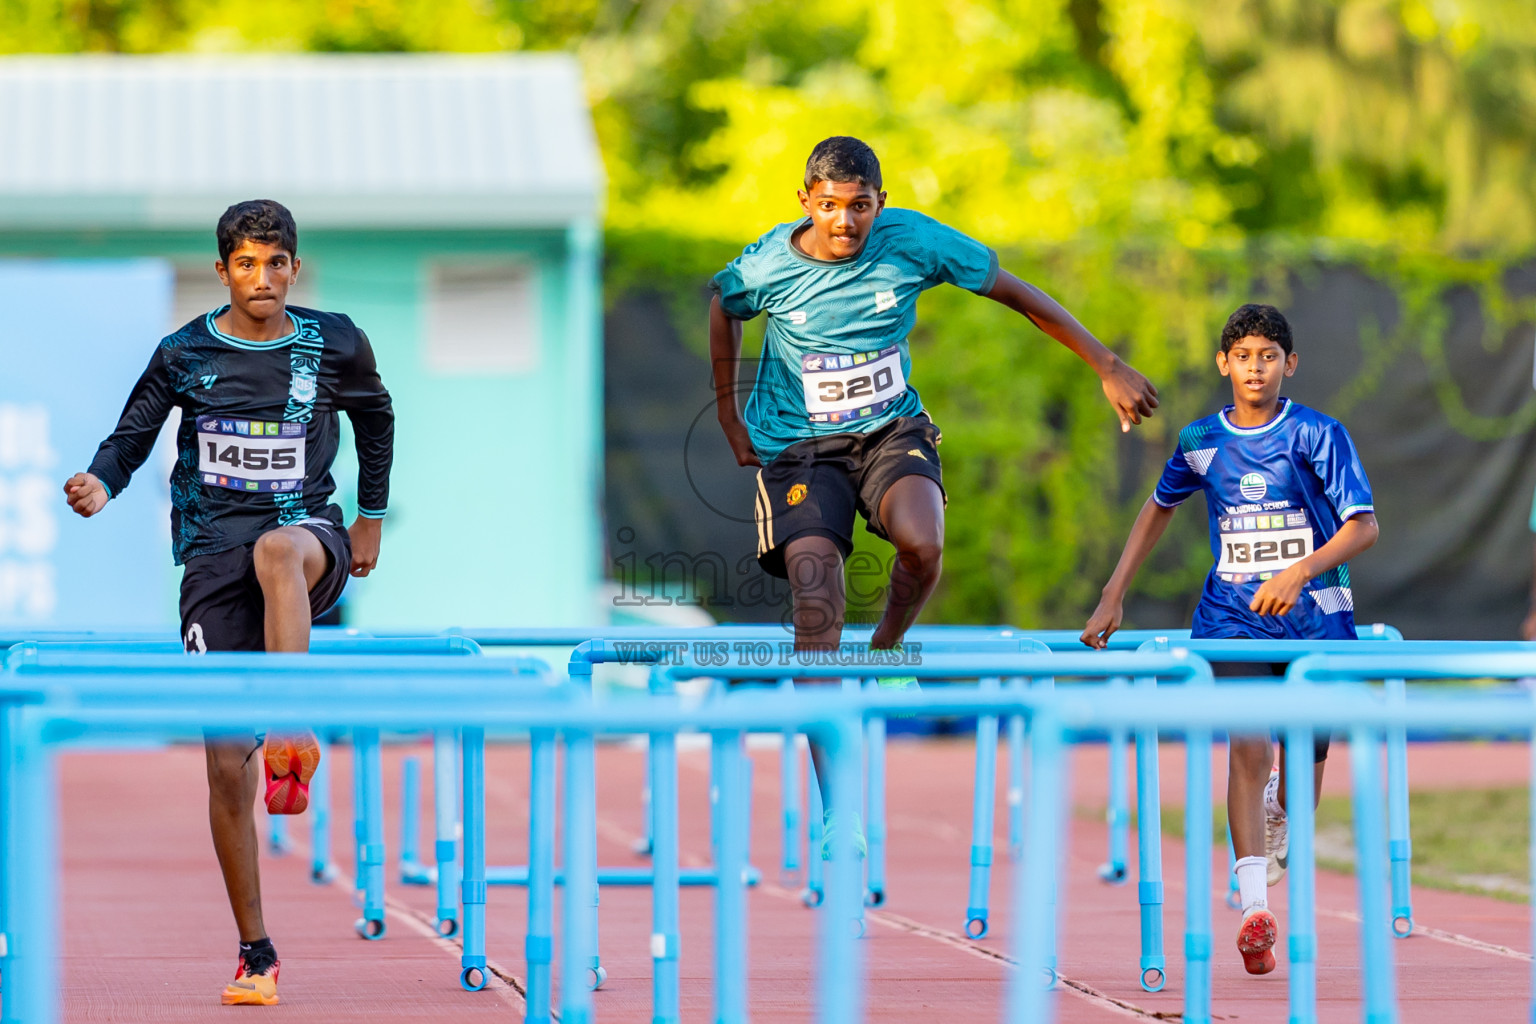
148,934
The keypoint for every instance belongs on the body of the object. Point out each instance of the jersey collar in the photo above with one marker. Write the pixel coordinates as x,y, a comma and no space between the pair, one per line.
254,346
1285,410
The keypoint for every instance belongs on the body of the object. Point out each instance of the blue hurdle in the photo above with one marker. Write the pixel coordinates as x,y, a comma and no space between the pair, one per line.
122,694
45,704
368,834
1386,640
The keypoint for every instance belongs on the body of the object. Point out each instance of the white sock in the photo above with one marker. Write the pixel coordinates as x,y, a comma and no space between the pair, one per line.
1252,885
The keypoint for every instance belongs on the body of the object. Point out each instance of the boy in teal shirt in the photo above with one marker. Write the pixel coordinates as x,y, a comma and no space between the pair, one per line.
832,421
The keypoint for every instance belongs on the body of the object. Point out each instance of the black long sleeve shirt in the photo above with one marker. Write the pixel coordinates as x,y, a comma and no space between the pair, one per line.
259,428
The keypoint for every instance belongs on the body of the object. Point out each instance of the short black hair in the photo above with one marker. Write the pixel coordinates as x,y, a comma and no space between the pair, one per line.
257,220
842,158
1259,321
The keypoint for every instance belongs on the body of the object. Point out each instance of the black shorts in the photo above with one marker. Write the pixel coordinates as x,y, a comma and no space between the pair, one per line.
222,607
816,486
1256,669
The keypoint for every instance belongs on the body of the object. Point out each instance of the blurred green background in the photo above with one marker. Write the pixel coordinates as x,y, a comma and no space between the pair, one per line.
1366,164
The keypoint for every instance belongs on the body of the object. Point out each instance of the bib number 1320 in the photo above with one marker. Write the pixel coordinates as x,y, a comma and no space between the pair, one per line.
1247,552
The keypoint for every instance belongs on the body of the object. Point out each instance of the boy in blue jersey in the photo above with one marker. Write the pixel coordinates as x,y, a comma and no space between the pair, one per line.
1289,506
832,420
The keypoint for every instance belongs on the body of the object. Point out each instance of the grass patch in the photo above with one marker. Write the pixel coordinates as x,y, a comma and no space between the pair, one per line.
1474,840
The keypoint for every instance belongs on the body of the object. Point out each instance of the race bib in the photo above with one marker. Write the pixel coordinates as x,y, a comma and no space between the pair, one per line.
1257,547
845,389
251,455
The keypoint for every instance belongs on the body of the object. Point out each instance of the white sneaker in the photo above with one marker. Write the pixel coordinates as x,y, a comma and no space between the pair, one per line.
1277,831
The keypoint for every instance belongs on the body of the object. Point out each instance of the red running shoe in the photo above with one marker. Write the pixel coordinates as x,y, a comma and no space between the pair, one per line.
291,763
1256,940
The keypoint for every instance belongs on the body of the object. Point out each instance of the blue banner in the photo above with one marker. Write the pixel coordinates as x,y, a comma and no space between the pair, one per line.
75,338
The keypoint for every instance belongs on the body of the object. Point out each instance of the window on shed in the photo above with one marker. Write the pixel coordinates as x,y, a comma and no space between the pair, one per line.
482,317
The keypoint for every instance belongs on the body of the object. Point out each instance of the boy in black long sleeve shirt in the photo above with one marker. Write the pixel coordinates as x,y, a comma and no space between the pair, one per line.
260,385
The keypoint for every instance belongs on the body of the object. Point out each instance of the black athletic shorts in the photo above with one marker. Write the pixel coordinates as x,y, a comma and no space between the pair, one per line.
222,607
815,486
1255,669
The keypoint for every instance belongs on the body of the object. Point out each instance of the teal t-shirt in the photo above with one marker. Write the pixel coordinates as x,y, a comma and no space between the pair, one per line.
835,354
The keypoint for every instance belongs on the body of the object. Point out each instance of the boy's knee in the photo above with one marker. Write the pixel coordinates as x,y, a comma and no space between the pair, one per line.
231,773
923,559
277,553
1252,756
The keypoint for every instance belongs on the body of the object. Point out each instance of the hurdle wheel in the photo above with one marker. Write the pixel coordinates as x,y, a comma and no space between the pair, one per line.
472,978
1052,978
858,927
976,928
812,897
369,929
595,977
448,927
1153,979
1402,926
321,876
1234,900
642,847
874,898
1114,874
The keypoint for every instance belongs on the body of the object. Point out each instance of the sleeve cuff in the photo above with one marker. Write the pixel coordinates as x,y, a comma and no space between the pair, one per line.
108,488
992,271
1167,504
371,513
1355,510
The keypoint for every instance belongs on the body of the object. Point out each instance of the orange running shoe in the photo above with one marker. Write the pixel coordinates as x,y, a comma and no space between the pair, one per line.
253,987
291,763
1256,940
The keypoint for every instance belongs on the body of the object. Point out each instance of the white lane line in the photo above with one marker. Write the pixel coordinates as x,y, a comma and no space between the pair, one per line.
515,989
1440,935
952,939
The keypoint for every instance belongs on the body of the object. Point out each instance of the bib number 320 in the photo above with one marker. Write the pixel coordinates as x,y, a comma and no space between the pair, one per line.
846,388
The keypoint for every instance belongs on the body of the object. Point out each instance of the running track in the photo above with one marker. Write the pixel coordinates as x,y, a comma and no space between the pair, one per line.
149,937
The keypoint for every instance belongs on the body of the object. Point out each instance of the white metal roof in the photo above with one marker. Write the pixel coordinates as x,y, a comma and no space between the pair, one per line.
343,140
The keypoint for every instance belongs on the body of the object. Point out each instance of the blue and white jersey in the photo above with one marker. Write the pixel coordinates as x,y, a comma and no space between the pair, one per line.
835,355
1275,494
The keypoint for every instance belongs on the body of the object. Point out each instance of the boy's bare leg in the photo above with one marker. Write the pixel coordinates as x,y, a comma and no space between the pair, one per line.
912,510
1317,779
232,777
289,562
815,567
1249,759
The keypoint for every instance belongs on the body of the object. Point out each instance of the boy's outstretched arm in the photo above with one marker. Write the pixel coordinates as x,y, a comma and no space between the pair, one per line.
121,454
1277,596
725,357
1151,521
1132,395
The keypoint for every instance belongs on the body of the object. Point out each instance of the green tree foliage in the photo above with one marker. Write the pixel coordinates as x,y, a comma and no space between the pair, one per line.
1152,163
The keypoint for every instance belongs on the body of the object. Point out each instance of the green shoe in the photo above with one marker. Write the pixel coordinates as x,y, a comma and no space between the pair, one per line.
898,684
829,830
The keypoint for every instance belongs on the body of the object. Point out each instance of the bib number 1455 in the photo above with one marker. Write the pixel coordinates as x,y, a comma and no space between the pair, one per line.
251,455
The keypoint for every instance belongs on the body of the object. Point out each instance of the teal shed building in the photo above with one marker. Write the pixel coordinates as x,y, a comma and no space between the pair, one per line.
450,205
